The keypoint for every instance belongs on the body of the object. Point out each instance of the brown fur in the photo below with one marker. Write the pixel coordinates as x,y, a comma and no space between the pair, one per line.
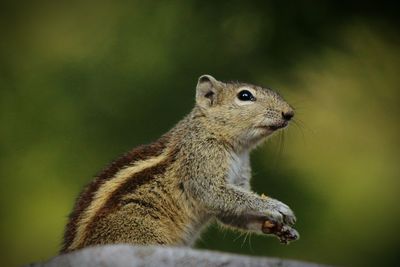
167,192
116,200
140,153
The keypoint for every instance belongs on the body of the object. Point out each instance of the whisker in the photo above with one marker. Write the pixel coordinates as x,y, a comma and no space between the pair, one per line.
277,147
239,236
301,123
295,105
244,240
301,108
300,129
225,231
280,147
250,246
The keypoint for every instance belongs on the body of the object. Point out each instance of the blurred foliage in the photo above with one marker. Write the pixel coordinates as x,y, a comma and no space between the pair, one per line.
81,82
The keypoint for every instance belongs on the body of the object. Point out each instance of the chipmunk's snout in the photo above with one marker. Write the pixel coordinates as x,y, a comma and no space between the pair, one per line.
287,115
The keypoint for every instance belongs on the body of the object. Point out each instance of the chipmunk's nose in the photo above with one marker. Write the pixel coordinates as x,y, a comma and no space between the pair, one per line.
287,115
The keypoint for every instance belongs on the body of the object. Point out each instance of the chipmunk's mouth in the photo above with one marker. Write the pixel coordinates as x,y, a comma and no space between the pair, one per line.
275,126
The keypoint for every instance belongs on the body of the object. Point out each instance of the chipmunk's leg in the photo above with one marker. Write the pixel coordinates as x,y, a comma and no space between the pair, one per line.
261,225
209,186
245,210
258,225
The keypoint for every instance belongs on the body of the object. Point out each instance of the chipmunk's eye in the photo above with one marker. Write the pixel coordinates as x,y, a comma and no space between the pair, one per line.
246,96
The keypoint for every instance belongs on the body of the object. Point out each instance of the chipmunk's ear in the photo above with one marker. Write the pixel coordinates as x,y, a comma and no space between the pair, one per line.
207,90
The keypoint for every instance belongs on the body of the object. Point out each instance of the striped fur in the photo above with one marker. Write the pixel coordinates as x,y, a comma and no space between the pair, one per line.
139,154
107,191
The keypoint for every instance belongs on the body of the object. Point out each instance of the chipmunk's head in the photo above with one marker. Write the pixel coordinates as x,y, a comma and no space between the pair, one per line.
243,111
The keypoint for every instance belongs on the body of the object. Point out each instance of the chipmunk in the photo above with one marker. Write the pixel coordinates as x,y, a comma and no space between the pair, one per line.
167,192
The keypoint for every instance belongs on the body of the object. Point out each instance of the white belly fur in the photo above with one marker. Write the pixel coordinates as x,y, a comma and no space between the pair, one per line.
239,171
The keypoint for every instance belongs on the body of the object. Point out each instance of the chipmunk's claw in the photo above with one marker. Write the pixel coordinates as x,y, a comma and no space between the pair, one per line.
284,233
287,235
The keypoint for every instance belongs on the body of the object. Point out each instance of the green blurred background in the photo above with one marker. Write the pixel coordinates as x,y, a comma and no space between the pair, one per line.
82,82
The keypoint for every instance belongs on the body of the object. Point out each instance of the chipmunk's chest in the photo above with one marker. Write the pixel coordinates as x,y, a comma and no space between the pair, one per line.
239,168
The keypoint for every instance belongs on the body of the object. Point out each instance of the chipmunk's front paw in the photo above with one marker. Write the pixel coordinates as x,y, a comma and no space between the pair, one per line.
279,222
280,213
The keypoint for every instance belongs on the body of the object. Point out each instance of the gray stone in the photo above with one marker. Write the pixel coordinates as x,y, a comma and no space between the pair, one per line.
157,256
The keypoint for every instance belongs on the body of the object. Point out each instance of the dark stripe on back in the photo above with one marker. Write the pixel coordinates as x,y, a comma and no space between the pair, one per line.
136,180
142,152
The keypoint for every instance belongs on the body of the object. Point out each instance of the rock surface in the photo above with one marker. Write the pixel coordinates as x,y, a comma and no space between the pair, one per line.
135,256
